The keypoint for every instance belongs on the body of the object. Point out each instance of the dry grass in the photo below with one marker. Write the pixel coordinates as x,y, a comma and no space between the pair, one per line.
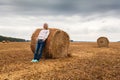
88,63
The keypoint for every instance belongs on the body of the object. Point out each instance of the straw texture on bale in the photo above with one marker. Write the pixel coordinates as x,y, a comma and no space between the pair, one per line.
103,42
57,43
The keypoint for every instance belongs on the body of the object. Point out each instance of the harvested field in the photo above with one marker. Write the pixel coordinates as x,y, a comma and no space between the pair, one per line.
88,63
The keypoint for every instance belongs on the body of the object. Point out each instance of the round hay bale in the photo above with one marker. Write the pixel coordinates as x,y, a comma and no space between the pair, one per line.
57,43
7,41
103,42
3,41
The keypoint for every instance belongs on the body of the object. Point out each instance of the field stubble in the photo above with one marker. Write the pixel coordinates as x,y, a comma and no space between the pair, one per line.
88,62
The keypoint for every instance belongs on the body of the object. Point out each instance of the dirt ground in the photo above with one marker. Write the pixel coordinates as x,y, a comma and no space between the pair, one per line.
88,62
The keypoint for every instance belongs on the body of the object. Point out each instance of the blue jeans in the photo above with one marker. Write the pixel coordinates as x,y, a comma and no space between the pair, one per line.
39,48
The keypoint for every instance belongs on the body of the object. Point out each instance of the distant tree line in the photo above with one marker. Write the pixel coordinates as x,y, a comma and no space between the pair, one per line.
3,38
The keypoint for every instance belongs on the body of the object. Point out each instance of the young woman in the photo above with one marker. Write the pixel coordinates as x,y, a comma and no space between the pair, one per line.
43,35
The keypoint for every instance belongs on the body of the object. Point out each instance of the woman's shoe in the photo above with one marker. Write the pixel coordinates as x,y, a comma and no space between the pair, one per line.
34,60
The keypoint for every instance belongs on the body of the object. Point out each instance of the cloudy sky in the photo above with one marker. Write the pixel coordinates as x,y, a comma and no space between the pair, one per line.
83,20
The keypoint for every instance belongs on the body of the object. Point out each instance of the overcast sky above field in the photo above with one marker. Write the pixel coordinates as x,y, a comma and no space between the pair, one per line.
83,20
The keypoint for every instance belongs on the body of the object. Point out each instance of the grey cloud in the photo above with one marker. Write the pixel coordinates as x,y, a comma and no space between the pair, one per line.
12,32
110,29
30,13
64,7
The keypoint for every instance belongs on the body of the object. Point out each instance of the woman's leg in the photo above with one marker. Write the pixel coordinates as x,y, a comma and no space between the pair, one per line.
40,50
36,50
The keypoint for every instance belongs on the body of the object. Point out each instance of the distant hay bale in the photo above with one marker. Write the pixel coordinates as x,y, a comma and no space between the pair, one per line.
7,41
57,43
103,42
3,41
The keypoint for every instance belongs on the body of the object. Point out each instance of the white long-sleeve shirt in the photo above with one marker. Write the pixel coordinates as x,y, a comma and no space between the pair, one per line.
43,34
